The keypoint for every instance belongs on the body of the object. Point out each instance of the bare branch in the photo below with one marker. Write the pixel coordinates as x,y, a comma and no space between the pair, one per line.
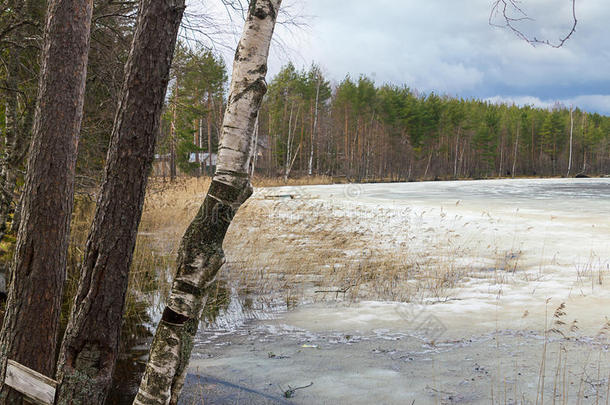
511,13
235,5
218,28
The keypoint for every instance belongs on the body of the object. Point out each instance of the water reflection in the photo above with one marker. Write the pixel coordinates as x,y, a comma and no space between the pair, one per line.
136,336
139,324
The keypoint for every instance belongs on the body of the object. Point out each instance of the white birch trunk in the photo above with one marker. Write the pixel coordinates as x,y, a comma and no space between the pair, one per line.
172,143
313,132
500,172
288,142
571,137
254,152
516,151
584,134
201,255
290,158
457,143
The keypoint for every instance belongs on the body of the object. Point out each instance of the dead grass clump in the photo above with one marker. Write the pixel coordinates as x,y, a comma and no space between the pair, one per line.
300,181
324,252
150,272
169,208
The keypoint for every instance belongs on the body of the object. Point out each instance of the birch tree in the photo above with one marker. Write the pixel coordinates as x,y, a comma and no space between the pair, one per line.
31,323
200,255
90,346
571,140
314,129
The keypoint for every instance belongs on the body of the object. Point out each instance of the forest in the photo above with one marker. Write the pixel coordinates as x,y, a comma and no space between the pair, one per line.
367,132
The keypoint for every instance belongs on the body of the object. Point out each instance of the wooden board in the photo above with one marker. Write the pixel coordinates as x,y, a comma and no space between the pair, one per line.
39,388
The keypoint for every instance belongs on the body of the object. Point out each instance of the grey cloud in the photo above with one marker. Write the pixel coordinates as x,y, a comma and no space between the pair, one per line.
447,46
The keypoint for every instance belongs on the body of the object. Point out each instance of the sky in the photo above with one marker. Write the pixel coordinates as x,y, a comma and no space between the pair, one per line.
448,47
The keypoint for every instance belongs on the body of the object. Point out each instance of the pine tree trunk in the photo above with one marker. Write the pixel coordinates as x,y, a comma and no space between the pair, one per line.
199,144
89,350
31,324
201,255
196,137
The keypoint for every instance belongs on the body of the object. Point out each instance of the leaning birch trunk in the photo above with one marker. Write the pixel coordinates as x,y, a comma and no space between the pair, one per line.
201,255
90,347
38,272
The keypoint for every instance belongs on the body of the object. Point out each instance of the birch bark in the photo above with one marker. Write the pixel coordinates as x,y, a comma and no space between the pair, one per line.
200,255
571,138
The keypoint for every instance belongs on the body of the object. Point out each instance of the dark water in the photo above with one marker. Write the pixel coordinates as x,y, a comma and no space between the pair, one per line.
136,336
217,392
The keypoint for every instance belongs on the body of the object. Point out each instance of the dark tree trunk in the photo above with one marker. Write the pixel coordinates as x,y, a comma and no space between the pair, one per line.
29,333
89,350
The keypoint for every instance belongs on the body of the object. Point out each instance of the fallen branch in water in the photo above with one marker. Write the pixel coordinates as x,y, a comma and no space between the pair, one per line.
289,393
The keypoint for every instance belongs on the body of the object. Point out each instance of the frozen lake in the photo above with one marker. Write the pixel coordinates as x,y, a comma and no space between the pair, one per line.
520,319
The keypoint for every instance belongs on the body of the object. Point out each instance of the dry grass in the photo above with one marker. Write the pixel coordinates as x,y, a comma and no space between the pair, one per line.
573,367
313,250
306,249
310,249
300,181
146,281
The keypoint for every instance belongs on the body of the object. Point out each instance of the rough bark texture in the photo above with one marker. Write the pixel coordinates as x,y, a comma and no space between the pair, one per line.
89,350
29,332
201,255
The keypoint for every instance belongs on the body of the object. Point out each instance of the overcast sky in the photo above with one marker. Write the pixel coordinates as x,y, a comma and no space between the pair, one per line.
448,46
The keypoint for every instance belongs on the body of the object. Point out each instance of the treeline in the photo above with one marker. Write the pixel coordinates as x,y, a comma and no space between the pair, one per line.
366,132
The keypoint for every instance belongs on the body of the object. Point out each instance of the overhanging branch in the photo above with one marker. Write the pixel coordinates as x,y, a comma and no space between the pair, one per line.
512,13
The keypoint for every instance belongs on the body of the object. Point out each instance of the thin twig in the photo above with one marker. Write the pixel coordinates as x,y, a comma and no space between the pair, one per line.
512,13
